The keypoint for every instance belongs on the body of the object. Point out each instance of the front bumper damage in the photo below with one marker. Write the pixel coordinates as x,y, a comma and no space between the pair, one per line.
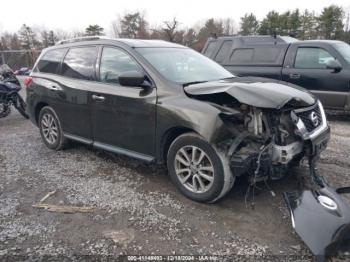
321,218
320,214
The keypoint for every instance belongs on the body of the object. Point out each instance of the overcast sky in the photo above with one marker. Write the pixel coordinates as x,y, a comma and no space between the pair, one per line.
77,14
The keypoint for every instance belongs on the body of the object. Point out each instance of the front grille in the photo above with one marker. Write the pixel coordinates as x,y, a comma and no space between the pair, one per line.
311,117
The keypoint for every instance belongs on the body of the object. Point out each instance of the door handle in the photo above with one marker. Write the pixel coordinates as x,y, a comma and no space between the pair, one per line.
98,98
294,76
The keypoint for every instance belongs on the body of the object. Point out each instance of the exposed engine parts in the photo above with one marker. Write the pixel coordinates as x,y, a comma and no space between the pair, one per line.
273,142
284,154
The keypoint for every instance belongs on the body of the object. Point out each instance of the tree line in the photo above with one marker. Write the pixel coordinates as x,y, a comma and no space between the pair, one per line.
331,23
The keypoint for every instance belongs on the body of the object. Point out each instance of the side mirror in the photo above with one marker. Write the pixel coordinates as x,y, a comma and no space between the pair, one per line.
132,78
334,64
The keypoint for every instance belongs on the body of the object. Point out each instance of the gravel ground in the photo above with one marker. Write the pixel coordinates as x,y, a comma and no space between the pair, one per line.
137,209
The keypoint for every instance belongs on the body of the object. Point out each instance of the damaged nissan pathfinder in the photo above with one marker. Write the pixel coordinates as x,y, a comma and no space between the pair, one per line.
165,103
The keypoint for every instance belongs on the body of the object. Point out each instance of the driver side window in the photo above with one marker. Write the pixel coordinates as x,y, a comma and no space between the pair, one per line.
312,58
113,63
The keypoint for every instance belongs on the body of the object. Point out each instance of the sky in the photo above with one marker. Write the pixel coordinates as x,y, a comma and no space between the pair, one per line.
75,15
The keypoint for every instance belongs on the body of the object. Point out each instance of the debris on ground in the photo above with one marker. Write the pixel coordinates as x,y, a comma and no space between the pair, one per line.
63,209
47,196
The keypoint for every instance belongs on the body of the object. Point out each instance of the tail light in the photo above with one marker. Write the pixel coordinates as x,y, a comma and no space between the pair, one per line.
27,81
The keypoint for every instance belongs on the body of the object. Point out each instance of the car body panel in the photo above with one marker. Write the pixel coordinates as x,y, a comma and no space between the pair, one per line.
259,92
69,98
126,118
323,227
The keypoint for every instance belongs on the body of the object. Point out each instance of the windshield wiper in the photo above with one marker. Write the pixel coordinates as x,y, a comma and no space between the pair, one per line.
193,83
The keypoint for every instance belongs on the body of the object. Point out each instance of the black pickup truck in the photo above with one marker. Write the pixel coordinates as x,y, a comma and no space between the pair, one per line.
321,66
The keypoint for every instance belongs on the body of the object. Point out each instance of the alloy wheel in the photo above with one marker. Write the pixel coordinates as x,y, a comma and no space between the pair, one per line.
194,169
49,128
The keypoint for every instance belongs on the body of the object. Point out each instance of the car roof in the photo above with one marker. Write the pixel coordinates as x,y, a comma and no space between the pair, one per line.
134,43
258,39
321,41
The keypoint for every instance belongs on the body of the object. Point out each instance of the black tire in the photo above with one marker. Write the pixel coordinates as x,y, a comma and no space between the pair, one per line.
5,110
21,107
60,142
216,189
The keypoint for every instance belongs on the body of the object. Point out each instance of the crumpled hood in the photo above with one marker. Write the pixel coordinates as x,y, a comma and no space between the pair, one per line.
256,91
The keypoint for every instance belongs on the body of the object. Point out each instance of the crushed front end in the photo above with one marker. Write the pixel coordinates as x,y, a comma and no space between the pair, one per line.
275,126
272,141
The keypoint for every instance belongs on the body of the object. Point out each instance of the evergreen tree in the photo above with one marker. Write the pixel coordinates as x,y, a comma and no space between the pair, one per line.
249,24
331,22
27,37
92,30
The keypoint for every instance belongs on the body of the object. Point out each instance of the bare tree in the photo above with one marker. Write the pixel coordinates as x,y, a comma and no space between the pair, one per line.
229,26
170,29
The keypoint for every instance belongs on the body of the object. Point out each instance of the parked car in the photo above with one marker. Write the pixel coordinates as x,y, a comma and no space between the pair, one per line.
321,66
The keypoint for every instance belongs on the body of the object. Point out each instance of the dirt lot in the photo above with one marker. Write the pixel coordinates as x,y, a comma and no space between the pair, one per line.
137,209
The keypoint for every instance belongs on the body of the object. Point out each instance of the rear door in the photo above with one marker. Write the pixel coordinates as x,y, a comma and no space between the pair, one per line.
78,77
65,76
306,66
124,118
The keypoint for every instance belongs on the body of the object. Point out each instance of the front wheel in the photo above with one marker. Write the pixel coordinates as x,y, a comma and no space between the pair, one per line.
197,169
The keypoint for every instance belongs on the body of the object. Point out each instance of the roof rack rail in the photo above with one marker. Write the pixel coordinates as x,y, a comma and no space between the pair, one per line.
79,39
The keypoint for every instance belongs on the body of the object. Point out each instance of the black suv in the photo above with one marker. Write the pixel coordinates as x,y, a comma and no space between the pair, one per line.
165,103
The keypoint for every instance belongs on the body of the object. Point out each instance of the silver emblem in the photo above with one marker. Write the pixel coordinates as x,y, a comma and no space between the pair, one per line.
327,202
314,118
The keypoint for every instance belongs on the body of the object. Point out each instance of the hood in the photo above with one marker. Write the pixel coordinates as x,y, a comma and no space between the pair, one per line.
256,91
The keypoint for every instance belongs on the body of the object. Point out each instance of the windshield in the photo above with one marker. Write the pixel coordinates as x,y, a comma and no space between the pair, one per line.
344,50
183,65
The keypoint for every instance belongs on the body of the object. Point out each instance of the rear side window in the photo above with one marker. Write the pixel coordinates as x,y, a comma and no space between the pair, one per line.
224,51
312,58
210,49
242,56
50,61
258,55
266,55
79,63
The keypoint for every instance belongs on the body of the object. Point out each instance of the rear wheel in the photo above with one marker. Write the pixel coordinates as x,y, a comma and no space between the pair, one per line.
50,129
197,169
5,110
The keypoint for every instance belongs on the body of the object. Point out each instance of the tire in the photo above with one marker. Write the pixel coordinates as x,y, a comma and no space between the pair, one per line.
49,122
5,110
186,175
21,107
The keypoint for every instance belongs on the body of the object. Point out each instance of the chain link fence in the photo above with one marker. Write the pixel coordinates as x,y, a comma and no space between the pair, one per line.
17,59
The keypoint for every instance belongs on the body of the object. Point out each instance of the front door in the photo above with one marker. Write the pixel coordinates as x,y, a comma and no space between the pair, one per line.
309,70
123,118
